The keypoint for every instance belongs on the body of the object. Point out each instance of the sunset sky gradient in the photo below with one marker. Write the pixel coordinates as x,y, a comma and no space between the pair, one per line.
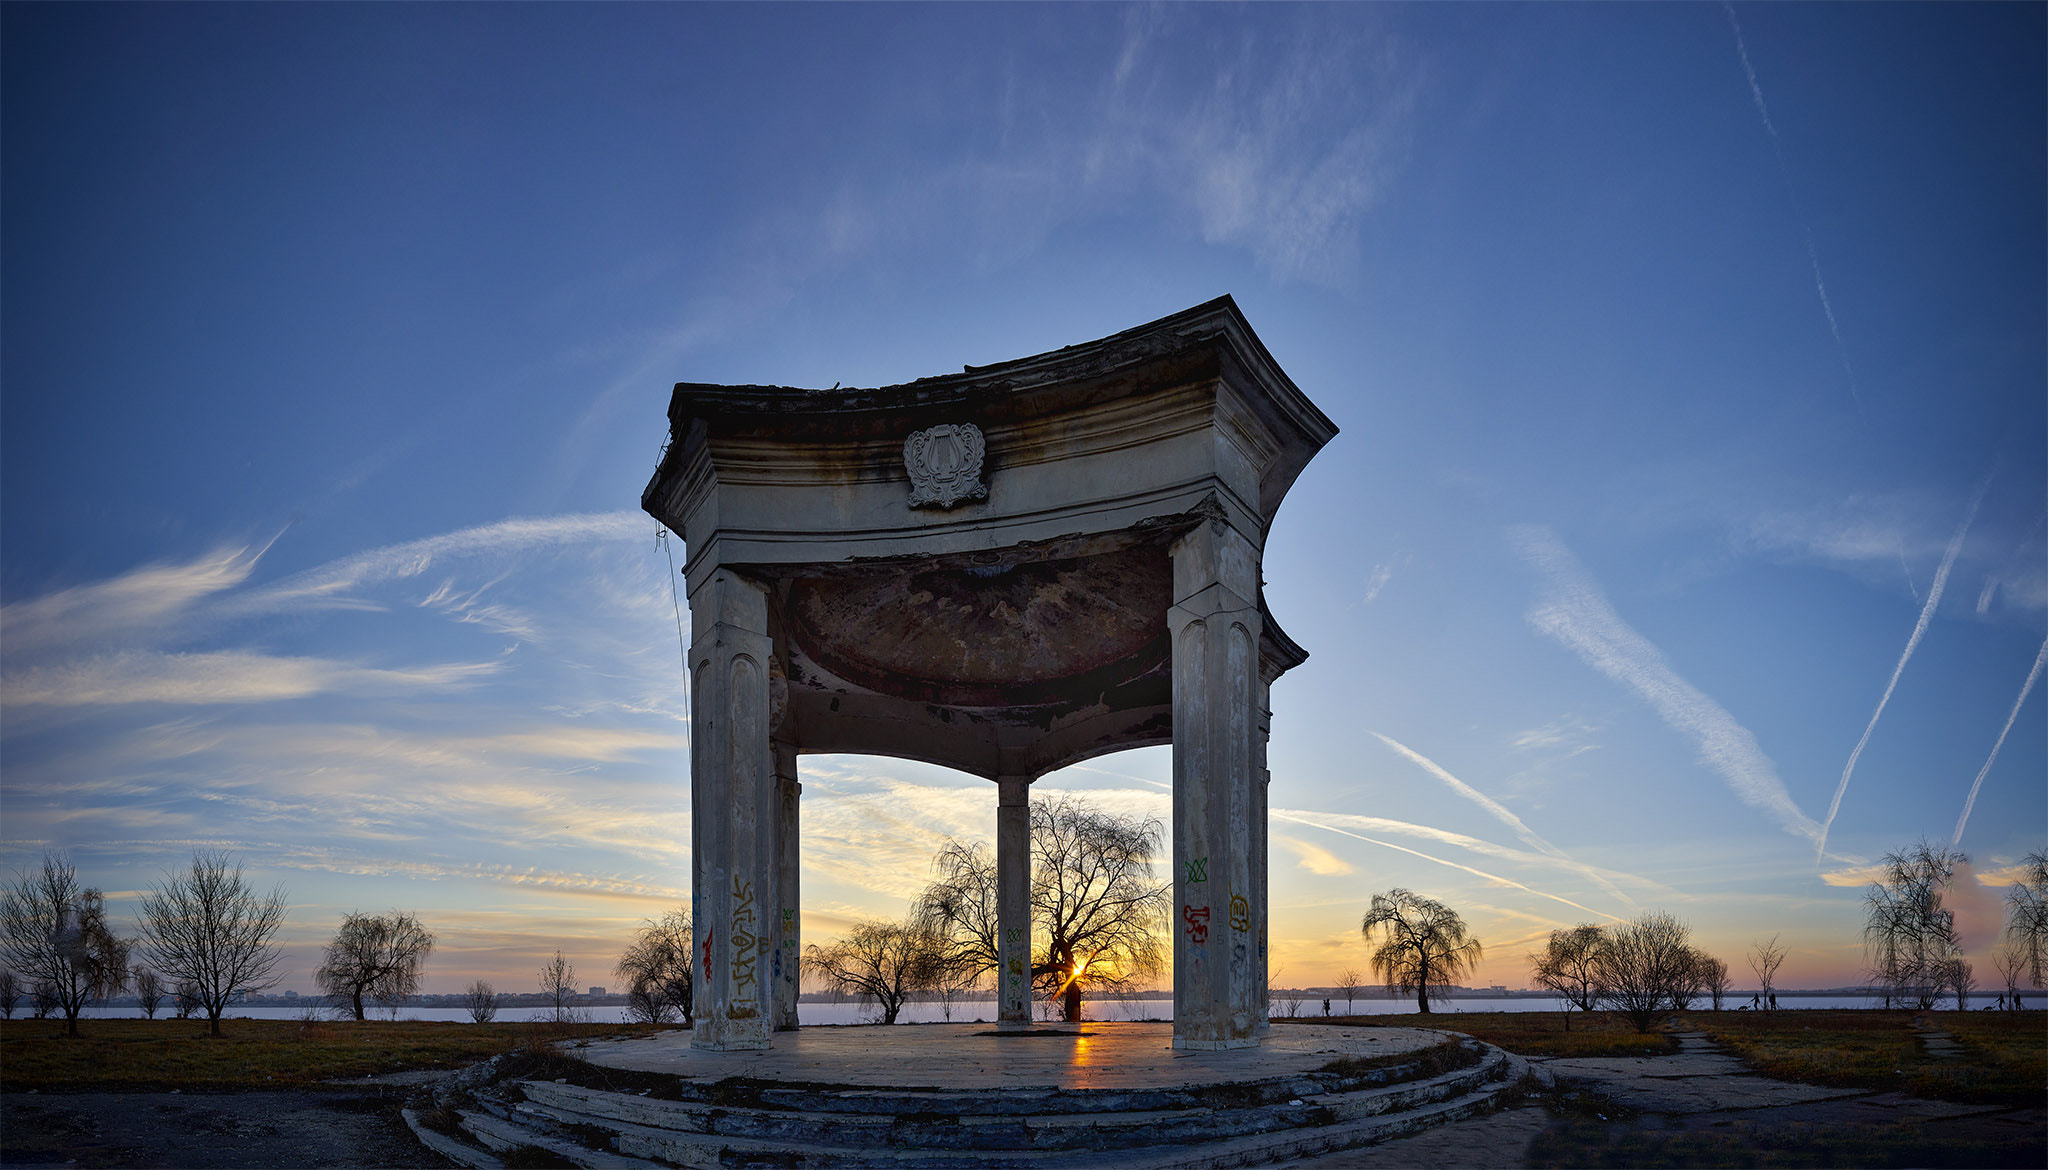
1683,548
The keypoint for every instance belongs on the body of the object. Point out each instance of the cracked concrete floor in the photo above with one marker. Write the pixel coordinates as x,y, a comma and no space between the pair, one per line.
1698,1090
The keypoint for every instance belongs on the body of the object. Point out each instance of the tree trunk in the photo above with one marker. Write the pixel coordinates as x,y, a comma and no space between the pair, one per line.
71,1023
1072,999
213,1024
1422,998
356,999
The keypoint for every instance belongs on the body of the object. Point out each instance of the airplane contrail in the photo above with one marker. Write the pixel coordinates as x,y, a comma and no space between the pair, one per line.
1500,813
1571,608
2033,676
1492,877
1948,561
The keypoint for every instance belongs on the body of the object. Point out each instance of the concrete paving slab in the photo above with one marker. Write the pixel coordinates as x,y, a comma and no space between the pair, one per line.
967,1057
1687,1083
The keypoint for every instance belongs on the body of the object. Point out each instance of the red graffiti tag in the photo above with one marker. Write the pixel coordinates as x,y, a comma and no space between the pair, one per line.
1198,922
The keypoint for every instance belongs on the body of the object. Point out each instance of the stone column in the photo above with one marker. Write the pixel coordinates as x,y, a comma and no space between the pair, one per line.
785,968
1214,625
1013,902
1262,779
732,811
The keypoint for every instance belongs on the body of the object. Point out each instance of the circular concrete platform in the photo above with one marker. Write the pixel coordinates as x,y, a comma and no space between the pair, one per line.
968,1057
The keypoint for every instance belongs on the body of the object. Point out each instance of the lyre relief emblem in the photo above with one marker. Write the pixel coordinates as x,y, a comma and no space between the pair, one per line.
945,465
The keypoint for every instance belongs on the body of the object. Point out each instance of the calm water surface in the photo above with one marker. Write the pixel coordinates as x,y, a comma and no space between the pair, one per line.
971,1011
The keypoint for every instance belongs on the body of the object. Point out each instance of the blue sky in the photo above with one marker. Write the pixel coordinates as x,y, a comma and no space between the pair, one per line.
1689,360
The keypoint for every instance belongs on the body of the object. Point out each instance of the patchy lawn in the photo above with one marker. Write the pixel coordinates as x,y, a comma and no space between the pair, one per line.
2003,1058
126,1055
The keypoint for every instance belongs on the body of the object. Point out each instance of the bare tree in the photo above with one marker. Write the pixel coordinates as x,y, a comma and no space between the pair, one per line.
1959,979
185,1000
149,992
2026,917
1907,934
1765,958
482,1002
42,1000
1348,982
883,961
961,907
10,993
1690,982
660,970
1426,947
377,955
1098,915
55,931
1713,975
208,931
1646,964
558,983
1092,888
2011,964
1566,967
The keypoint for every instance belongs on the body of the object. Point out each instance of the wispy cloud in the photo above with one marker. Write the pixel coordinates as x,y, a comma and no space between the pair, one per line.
1934,591
1571,608
2033,676
1385,826
1279,814
1497,811
1852,877
1314,858
218,677
135,605
330,585
1381,574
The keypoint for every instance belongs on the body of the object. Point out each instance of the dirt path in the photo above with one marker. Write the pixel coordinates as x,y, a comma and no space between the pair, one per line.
1700,1106
351,1126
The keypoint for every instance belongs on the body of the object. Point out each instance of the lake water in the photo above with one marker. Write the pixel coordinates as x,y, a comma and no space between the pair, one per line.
971,1011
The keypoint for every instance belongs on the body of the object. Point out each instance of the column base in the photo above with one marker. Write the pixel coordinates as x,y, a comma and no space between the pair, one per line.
730,1045
1188,1045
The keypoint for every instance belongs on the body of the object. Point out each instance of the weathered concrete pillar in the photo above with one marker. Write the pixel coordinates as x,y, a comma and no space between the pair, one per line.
732,811
786,964
1214,625
1262,779
1013,902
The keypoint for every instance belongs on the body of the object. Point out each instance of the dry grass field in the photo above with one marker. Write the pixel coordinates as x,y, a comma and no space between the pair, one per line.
2002,1057
126,1055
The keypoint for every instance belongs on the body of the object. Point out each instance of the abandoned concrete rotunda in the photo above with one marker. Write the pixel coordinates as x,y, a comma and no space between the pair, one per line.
1005,571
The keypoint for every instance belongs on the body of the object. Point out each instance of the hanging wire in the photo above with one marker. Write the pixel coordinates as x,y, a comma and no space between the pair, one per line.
682,644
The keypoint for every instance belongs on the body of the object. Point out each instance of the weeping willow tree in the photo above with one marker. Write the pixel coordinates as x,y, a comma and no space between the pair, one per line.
1098,911
1425,946
1909,936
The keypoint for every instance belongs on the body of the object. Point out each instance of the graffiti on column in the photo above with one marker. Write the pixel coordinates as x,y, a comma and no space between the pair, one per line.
1240,913
788,944
1197,918
1198,870
745,952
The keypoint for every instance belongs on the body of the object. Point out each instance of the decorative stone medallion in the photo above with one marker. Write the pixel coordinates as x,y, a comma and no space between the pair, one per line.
945,465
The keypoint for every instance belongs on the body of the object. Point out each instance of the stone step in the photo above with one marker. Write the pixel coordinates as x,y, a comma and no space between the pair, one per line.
503,1137
1266,1149
691,1134
459,1152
